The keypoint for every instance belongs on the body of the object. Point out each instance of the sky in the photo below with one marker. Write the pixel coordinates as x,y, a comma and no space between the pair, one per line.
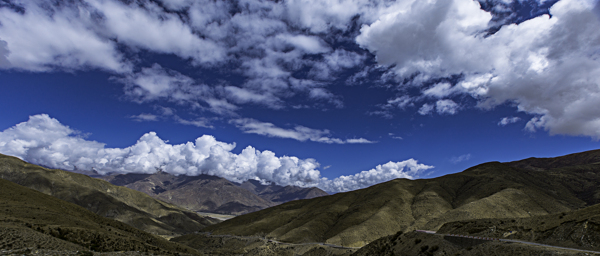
338,94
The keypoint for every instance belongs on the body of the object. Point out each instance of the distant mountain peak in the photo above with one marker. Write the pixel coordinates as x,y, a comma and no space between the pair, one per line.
206,193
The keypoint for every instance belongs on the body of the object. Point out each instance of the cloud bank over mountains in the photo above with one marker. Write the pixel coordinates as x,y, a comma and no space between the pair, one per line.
546,66
45,141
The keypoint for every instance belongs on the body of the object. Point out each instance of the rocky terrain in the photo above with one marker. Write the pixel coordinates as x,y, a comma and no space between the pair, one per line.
204,193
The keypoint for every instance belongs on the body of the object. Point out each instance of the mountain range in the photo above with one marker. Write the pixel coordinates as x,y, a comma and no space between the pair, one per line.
531,187
553,201
33,221
204,193
100,197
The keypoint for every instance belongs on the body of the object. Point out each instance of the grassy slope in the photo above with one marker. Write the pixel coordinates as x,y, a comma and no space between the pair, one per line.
127,205
29,219
576,229
491,190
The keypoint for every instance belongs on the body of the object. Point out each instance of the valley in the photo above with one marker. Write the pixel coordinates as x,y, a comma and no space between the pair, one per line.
551,201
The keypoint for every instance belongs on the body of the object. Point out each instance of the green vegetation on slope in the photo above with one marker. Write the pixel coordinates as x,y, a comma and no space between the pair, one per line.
30,219
490,190
123,204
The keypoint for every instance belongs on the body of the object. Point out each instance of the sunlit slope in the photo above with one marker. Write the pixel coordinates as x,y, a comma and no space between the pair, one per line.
490,190
30,219
127,205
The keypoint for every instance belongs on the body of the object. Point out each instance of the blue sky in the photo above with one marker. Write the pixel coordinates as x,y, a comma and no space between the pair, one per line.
336,94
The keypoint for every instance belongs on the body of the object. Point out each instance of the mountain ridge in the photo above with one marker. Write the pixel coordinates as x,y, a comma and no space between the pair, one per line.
32,219
488,190
206,193
123,204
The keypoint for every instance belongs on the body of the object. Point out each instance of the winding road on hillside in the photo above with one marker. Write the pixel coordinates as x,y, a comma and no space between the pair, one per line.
282,243
506,240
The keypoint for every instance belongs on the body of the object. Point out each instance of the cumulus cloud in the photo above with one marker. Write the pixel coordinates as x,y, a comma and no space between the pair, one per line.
442,107
426,109
547,66
408,169
508,120
44,140
446,107
299,133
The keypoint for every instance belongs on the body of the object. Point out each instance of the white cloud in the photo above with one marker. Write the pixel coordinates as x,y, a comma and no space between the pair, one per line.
508,120
44,140
200,122
400,102
441,107
158,83
299,133
394,136
546,66
36,41
144,117
164,113
257,39
152,29
436,28
440,90
408,169
308,44
4,63
243,95
461,158
446,107
426,109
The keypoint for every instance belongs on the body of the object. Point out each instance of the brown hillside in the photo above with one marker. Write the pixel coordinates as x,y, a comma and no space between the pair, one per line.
123,204
30,219
280,194
205,193
202,193
576,229
491,190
